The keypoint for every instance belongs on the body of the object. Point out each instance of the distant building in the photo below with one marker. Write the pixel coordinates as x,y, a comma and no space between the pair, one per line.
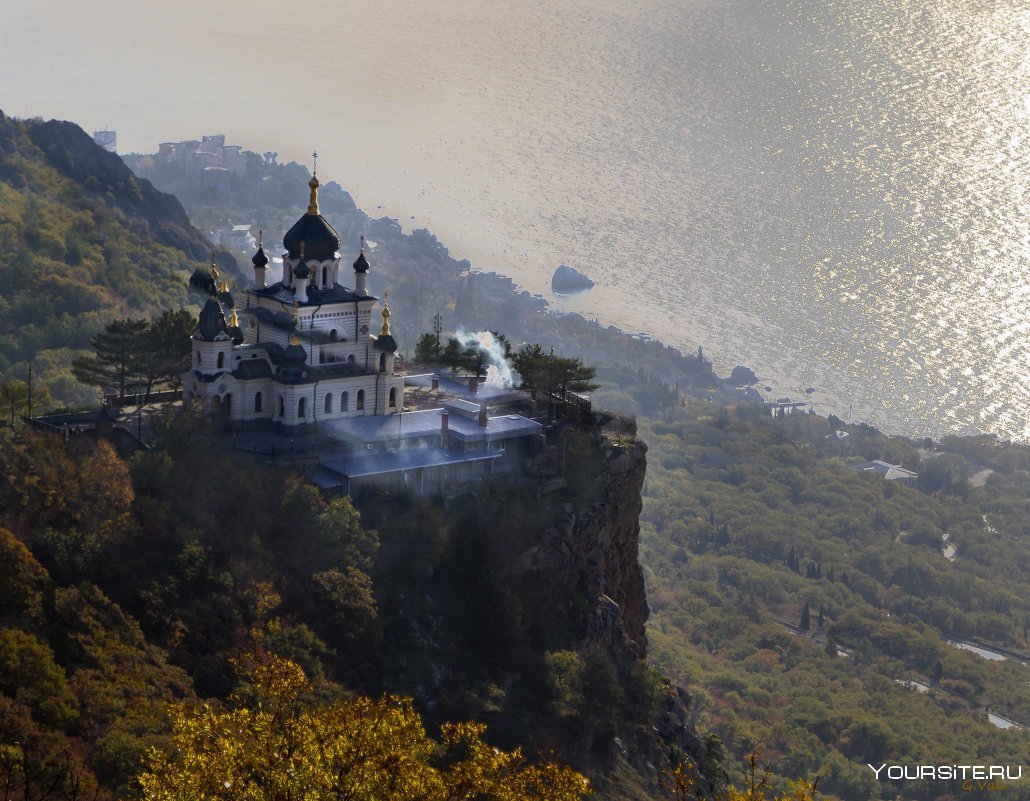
210,152
107,140
891,472
238,238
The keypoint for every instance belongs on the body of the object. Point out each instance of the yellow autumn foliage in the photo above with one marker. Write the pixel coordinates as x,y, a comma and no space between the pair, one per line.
279,747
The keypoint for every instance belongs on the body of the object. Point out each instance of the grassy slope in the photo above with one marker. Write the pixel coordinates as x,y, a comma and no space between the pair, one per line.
82,241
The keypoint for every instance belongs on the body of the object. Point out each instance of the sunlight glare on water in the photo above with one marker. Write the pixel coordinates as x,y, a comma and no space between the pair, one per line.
833,192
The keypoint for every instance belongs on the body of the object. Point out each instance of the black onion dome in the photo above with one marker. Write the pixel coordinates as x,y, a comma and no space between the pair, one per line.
301,270
361,263
295,353
202,281
319,238
259,259
385,342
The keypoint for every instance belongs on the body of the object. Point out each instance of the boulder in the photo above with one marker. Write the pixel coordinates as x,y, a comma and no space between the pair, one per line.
568,279
743,376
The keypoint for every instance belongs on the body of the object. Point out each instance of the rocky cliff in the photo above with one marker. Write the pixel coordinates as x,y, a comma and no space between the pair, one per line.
598,544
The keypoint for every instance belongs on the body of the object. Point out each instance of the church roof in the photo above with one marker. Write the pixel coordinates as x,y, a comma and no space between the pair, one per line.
361,263
316,297
397,461
212,321
279,319
319,238
252,368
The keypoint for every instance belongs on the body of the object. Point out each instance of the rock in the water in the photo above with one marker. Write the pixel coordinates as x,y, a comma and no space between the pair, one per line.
743,376
569,279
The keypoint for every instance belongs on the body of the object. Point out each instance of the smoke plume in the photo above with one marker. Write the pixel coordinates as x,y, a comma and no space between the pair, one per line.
498,372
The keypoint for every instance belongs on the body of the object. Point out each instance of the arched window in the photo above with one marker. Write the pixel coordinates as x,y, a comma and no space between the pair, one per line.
345,402
360,405
257,402
328,402
282,407
302,407
393,397
350,359
221,360
382,362
198,358
321,356
333,336
325,276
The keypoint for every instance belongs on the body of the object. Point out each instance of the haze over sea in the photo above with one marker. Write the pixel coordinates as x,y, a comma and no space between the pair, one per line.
834,192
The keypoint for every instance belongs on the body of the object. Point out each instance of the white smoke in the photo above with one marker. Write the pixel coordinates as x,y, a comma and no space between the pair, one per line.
498,371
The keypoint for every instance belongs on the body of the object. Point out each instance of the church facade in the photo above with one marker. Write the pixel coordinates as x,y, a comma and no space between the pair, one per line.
301,351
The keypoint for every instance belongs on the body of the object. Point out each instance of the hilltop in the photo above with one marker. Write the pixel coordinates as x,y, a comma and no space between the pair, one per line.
84,241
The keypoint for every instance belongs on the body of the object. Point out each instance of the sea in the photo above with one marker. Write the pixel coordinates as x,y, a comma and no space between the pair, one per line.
835,193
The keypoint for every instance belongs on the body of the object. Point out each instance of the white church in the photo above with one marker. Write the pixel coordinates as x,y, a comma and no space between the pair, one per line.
302,355
301,351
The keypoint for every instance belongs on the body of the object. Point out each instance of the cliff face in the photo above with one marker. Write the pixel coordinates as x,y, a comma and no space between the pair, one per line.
600,543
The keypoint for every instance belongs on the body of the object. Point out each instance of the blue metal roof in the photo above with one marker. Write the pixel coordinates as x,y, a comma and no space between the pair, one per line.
398,461
413,424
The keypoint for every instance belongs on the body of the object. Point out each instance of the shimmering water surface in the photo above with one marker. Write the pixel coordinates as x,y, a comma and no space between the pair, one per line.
834,192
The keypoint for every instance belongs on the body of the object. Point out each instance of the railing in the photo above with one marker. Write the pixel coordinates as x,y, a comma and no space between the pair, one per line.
154,397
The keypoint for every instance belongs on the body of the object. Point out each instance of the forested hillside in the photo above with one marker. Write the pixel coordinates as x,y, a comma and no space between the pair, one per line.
807,606
82,241
128,584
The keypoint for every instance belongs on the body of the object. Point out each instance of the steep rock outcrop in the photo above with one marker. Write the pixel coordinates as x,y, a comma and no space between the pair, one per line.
599,545
601,542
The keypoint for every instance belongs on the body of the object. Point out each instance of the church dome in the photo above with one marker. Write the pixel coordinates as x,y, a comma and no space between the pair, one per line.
361,263
212,321
295,353
318,237
259,259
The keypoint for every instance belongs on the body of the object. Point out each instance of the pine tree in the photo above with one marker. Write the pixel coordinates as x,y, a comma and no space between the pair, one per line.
822,620
165,347
806,617
116,362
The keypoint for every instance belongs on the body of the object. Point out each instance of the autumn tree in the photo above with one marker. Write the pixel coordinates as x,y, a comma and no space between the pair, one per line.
274,744
14,396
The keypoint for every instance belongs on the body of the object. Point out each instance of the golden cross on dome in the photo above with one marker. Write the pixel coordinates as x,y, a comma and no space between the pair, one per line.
314,165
